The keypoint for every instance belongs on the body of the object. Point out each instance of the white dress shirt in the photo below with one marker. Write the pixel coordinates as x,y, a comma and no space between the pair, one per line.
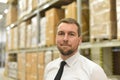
77,68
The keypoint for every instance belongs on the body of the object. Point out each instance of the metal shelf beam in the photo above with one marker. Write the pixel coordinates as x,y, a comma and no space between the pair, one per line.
108,43
85,45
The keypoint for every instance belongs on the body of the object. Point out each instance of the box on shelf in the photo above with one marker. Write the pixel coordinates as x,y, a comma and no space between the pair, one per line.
26,6
15,38
35,32
103,20
31,66
55,54
118,18
41,64
22,8
96,55
48,57
71,11
41,59
21,59
53,16
9,35
12,1
31,63
21,76
11,16
28,34
42,35
41,73
22,35
34,4
31,76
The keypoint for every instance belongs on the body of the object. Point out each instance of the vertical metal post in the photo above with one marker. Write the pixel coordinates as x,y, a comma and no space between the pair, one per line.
38,26
79,11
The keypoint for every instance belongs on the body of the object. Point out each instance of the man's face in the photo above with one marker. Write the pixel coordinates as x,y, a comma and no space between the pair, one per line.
67,38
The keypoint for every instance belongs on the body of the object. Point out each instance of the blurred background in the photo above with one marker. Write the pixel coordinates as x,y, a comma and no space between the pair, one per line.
28,28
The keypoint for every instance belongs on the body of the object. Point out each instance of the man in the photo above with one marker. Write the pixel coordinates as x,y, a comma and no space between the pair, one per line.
76,66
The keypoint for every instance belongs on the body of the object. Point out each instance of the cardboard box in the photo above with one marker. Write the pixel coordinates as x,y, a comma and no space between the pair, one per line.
22,34
55,54
53,16
9,35
42,35
15,38
21,76
34,4
35,30
48,57
12,1
118,18
28,34
41,73
22,8
41,58
31,63
21,58
31,76
104,26
11,16
71,11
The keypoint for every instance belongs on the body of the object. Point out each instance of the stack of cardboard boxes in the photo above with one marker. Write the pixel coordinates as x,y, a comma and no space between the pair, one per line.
52,18
102,20
118,18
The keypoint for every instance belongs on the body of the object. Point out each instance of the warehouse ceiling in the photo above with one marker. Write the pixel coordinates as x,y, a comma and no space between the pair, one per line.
3,6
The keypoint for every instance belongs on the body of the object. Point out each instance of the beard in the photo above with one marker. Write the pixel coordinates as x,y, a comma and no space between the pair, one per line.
65,53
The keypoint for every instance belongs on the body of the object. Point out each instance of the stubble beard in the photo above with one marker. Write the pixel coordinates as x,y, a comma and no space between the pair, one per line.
65,53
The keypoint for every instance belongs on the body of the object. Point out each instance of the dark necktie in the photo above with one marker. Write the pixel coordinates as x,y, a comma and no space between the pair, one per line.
60,71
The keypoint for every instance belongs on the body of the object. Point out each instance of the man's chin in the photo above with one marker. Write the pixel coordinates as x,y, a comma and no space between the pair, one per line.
66,52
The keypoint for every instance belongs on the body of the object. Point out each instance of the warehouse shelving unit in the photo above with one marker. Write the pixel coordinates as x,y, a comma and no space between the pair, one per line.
41,9
86,45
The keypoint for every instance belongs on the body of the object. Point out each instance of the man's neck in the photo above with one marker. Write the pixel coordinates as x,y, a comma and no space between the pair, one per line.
65,57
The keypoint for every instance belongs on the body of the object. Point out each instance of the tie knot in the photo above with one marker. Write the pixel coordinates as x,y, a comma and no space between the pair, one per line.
63,63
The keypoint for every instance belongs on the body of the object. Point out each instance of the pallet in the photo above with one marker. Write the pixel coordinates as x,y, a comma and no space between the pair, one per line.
93,40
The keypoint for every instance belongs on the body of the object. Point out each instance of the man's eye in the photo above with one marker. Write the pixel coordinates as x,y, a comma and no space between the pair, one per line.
71,34
60,33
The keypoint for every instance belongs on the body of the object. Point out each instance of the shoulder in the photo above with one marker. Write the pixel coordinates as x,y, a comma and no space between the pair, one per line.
86,61
89,65
92,69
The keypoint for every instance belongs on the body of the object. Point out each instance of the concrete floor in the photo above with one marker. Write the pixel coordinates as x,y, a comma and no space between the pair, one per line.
2,77
1,73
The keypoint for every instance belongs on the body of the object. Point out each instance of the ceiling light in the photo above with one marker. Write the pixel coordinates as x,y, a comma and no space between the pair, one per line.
5,11
1,16
3,1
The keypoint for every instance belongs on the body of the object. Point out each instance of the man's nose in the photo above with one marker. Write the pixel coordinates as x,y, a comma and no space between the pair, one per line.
65,37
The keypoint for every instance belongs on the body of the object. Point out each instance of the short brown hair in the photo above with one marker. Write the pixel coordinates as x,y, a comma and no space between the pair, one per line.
71,21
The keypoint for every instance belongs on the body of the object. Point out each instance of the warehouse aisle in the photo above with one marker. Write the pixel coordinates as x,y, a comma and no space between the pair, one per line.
1,73
2,77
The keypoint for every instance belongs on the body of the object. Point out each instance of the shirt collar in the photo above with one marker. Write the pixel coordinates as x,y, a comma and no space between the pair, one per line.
70,61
